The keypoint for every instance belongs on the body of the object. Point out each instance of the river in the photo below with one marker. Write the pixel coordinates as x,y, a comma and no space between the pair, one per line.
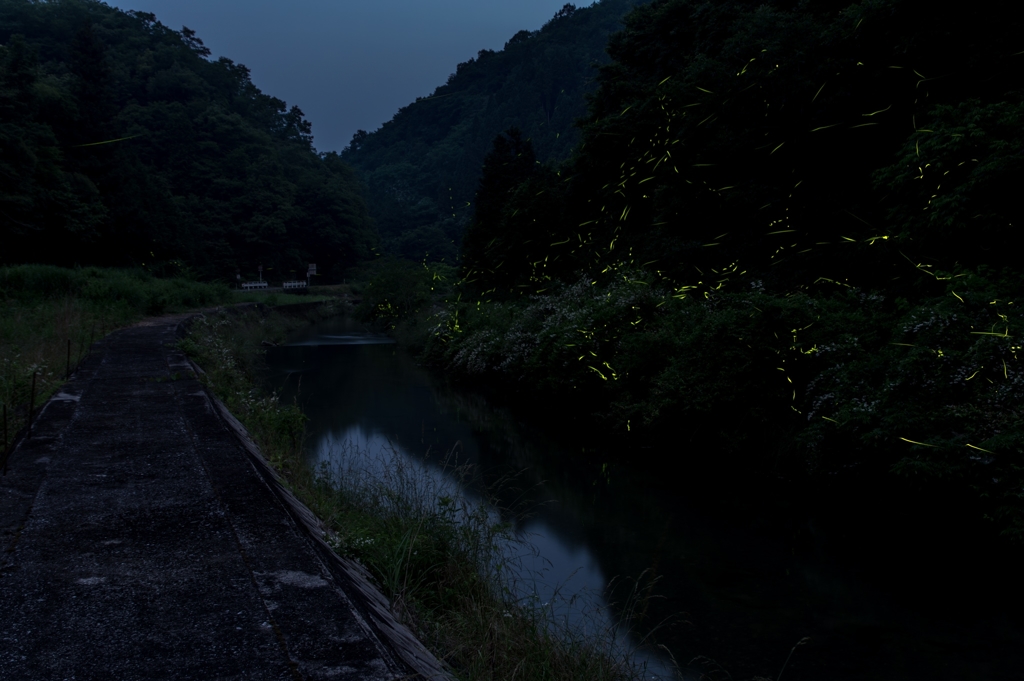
736,586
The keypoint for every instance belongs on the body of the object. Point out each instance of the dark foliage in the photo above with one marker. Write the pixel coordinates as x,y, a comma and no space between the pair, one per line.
752,133
122,143
785,237
421,168
503,233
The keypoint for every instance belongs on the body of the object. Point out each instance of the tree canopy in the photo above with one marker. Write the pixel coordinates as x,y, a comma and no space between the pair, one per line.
785,238
422,167
789,141
123,143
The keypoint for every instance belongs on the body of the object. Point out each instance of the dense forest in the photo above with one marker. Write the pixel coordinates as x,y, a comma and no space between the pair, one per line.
783,244
778,232
421,168
123,143
702,133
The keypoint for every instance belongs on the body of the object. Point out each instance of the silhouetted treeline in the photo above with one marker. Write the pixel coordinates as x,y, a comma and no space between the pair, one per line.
793,140
422,167
785,245
123,143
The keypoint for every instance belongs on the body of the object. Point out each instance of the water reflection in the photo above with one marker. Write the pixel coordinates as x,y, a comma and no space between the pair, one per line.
750,583
373,411
360,449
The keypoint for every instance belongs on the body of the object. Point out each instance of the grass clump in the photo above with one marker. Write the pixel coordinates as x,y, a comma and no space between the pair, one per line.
441,555
50,316
446,562
228,345
402,297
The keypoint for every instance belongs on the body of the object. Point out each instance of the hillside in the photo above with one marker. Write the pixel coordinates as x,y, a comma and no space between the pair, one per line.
123,143
783,242
795,141
422,167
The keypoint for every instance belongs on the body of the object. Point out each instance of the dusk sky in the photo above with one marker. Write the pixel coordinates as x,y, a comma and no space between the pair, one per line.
349,64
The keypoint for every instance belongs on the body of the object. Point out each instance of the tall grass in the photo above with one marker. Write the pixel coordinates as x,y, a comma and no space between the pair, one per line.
440,554
449,561
45,310
128,293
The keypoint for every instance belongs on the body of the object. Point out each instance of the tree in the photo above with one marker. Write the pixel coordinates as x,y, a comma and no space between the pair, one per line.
125,144
41,204
538,83
568,9
357,140
518,213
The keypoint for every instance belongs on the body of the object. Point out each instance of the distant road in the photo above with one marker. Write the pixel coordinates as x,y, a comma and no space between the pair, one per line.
142,537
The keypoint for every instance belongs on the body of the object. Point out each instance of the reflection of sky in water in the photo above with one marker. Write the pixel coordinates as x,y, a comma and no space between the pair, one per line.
743,588
562,576
362,450
556,570
551,568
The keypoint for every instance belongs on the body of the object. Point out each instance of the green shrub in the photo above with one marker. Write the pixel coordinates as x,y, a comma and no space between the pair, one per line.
135,290
820,382
396,289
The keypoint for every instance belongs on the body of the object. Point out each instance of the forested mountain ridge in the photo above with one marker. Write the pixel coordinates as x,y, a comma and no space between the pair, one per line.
123,143
783,244
764,133
422,167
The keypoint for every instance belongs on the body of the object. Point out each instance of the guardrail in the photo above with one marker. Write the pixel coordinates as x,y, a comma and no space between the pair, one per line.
248,285
294,284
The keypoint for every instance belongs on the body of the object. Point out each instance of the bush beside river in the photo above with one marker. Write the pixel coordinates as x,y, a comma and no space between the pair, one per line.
820,387
779,255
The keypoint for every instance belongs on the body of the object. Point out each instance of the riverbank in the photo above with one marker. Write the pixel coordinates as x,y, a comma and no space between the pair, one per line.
811,392
433,555
876,568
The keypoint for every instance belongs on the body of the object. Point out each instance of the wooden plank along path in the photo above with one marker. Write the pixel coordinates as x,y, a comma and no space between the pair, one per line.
144,537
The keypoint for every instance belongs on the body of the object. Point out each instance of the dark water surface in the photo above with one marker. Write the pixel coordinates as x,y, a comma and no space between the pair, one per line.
738,585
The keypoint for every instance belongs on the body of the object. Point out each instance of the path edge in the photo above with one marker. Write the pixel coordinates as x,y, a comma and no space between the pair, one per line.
354,579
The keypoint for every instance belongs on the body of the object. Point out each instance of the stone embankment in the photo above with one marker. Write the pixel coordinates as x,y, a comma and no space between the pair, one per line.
142,536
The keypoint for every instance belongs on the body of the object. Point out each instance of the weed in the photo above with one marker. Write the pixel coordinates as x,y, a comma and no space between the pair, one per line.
50,316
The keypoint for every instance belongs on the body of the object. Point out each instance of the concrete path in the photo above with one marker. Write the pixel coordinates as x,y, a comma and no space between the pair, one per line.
139,539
